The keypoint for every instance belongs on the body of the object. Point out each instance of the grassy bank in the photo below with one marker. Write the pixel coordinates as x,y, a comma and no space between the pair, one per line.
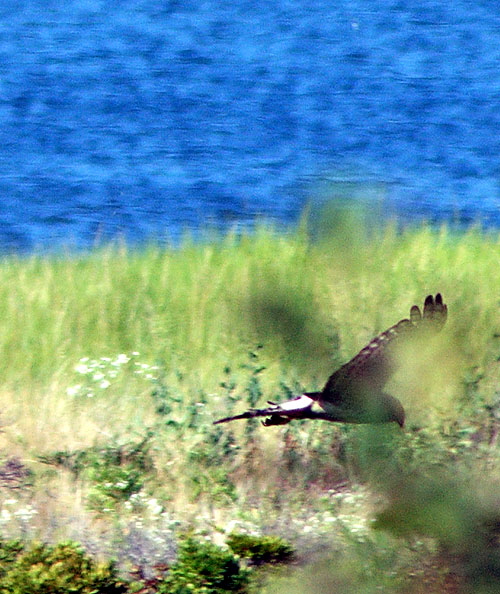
114,365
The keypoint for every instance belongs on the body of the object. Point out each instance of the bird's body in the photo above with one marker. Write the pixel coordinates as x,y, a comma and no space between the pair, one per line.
354,393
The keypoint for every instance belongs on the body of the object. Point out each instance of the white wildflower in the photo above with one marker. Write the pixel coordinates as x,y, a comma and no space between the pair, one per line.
5,516
25,513
121,359
154,507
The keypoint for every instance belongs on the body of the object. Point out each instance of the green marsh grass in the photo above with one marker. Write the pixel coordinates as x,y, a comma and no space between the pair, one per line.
100,350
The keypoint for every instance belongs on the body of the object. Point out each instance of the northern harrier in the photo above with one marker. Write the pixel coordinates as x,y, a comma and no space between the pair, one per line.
353,394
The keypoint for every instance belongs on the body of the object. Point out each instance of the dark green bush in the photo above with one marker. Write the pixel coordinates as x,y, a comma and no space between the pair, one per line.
260,549
60,569
204,568
9,551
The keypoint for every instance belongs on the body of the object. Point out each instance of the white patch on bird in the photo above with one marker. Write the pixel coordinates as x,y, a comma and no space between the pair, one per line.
299,403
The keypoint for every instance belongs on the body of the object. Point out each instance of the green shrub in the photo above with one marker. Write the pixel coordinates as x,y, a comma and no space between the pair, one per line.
60,569
9,551
260,549
114,472
204,568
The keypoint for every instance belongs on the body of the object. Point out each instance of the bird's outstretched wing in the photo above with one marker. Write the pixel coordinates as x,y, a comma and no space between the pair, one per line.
371,368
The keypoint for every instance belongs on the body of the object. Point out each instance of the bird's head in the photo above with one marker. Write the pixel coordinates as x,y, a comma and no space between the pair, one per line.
396,412
383,409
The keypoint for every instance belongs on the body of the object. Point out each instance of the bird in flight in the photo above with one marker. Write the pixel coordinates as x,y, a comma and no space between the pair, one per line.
354,393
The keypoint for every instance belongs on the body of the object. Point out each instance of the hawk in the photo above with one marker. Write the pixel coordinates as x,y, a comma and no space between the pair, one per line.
354,393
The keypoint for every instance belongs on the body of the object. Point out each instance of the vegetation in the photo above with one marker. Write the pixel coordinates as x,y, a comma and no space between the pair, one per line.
115,364
204,568
42,569
260,549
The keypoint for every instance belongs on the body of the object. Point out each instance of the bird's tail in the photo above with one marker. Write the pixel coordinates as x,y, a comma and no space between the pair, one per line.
287,410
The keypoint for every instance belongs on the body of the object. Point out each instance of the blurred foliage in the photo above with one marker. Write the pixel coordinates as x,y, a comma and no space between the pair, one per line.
260,549
454,504
204,568
60,569
114,472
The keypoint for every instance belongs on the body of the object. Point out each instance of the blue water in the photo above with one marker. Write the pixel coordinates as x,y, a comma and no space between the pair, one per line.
143,118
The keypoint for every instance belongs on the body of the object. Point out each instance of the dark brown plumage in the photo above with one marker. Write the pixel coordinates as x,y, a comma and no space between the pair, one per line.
354,393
